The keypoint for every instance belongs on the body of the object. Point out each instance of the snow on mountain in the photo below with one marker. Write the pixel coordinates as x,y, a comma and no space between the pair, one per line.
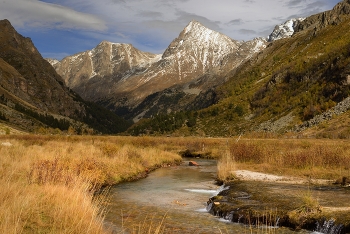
254,46
122,77
106,59
52,61
199,48
285,30
194,52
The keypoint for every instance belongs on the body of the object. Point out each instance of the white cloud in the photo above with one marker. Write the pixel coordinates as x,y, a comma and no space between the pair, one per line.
151,25
37,14
55,55
166,18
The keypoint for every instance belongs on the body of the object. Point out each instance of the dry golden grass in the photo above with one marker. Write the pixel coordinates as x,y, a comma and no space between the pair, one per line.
313,158
48,183
226,167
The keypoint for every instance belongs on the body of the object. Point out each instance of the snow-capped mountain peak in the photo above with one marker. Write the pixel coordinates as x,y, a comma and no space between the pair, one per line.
123,77
193,24
106,59
285,30
202,35
200,48
195,27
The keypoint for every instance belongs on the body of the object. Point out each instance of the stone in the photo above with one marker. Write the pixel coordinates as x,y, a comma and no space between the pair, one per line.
193,163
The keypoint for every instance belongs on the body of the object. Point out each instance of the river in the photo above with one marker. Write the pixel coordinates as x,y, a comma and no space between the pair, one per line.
174,197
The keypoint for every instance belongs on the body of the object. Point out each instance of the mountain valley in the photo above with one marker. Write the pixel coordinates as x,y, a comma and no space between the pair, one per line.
204,83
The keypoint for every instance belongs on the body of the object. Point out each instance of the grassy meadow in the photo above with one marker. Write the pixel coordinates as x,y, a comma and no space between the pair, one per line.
49,183
306,158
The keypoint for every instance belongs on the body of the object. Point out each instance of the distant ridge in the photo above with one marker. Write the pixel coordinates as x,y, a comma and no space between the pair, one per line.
135,84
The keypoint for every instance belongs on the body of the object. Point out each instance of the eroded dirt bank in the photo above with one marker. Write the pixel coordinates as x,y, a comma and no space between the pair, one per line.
261,199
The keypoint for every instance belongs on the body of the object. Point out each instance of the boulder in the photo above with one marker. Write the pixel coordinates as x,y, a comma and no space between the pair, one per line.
193,163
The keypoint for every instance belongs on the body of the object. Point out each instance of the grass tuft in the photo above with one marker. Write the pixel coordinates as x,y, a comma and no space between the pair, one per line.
226,166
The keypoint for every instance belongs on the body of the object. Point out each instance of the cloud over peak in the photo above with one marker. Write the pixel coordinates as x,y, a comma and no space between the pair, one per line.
38,14
149,25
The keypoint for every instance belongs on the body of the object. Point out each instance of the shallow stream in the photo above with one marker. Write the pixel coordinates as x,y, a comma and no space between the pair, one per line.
176,197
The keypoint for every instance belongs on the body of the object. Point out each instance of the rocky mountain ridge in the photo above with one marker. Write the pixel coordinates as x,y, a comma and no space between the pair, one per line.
332,17
285,30
34,81
186,65
107,59
298,85
257,84
33,95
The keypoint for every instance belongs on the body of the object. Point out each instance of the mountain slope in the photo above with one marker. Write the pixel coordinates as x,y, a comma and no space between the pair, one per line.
292,80
32,94
187,67
286,87
107,60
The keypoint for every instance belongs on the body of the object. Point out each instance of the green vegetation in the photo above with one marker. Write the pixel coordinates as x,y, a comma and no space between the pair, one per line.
103,120
303,76
47,119
163,124
96,119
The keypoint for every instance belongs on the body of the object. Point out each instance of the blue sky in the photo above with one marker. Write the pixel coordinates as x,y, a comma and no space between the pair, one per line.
60,28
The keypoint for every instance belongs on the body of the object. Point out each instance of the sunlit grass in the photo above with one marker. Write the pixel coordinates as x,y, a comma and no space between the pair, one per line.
226,167
311,158
49,183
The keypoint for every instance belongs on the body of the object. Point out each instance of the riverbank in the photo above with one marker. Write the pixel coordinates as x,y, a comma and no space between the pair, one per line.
49,183
300,184
267,204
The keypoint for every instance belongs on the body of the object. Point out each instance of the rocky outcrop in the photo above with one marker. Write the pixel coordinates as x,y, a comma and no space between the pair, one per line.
283,123
254,204
278,125
322,20
339,109
285,30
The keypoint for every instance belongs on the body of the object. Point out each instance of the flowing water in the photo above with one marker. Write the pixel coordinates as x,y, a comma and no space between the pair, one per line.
174,197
